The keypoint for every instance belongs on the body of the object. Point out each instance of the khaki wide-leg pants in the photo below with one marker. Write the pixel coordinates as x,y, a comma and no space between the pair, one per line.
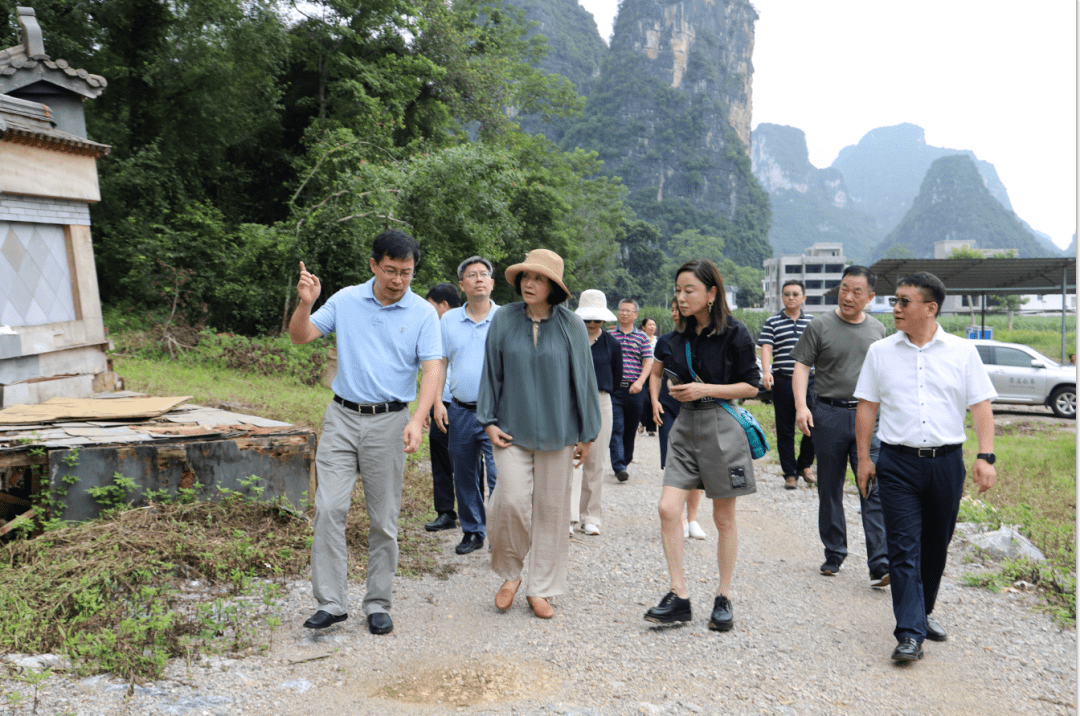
529,515
589,478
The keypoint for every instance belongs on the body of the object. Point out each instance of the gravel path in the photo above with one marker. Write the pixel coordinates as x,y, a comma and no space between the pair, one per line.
802,643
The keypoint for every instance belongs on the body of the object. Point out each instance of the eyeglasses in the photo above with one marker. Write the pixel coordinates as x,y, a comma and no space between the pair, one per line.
627,310
472,276
792,295
594,321
904,301
394,273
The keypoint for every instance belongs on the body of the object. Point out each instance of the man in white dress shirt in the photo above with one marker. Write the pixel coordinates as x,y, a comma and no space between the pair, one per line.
923,380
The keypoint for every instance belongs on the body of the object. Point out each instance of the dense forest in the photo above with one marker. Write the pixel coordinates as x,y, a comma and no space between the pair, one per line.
247,136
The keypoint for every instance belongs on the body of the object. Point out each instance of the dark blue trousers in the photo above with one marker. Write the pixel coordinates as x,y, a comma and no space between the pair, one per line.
783,399
470,449
625,416
920,498
834,445
442,468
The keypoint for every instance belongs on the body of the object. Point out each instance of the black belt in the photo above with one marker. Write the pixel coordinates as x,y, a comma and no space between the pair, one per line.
849,404
467,406
926,451
625,384
367,409
700,403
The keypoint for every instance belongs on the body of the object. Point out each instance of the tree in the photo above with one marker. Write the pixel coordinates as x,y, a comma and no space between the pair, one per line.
900,251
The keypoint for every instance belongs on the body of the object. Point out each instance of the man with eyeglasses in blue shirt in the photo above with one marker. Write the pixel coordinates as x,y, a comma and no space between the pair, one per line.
464,333
385,333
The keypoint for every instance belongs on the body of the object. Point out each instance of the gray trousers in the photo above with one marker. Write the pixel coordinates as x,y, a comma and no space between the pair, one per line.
373,446
834,445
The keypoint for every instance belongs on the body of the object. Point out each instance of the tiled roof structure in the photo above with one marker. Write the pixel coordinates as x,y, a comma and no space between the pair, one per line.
30,123
27,63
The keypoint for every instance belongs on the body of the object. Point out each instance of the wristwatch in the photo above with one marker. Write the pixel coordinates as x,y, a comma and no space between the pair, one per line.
988,456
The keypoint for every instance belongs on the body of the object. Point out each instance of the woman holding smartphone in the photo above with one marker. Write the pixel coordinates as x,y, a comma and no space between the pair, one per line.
712,356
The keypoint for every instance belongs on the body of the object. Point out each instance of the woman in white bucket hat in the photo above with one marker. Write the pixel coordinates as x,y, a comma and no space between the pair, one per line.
607,363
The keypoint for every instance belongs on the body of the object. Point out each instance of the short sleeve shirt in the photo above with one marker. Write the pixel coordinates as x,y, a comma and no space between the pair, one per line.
782,334
835,349
636,347
463,345
718,359
923,391
379,347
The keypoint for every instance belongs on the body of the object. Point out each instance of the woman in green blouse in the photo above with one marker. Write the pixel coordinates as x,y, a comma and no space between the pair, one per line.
538,403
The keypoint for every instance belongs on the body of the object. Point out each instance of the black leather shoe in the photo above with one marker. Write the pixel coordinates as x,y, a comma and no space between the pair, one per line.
622,475
670,610
907,650
934,631
722,618
380,623
471,542
442,522
321,619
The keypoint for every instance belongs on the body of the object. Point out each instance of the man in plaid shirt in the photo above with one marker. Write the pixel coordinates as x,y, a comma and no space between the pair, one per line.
628,400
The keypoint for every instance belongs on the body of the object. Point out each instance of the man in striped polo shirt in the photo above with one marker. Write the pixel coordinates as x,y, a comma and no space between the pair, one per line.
778,336
628,400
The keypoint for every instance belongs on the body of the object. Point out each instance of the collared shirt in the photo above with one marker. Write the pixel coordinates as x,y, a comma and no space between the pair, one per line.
379,347
782,334
924,392
636,347
463,345
719,359
544,395
607,362
835,349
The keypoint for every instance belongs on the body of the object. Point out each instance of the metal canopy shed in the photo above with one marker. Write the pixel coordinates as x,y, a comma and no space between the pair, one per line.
990,276
983,276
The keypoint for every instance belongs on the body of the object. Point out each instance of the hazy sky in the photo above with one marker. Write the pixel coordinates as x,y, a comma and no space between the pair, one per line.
994,76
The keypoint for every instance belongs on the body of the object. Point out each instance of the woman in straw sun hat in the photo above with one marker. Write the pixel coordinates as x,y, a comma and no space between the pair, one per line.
607,364
538,403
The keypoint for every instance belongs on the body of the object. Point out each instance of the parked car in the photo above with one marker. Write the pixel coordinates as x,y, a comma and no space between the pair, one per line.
1023,376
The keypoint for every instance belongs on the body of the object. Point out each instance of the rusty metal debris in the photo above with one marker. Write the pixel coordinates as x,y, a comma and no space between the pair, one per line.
189,447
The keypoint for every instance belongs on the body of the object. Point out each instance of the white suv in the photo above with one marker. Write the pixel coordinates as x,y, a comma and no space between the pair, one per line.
1022,375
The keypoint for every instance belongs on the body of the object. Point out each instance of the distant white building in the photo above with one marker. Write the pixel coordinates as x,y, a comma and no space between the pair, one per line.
819,269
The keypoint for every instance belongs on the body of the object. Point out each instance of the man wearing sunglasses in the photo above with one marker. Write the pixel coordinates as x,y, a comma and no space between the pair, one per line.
922,381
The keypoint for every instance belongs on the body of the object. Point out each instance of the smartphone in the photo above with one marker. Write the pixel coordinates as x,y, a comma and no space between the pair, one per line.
672,377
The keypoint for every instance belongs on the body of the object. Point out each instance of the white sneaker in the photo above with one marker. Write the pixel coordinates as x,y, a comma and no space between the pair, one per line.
695,530
590,529
685,530
571,530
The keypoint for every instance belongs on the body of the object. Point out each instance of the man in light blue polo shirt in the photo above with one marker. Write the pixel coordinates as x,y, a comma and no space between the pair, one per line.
384,334
464,332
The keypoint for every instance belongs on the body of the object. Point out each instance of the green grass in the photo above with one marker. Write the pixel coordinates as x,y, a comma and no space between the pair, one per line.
280,398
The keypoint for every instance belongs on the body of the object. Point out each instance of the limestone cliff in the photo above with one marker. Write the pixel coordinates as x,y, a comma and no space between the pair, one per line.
808,204
670,115
954,203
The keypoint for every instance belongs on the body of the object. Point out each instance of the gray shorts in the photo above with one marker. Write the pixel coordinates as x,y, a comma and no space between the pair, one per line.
708,450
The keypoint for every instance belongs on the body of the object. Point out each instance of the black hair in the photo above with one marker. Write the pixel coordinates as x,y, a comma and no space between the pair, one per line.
706,272
554,298
856,270
794,282
469,262
397,245
646,320
445,292
929,285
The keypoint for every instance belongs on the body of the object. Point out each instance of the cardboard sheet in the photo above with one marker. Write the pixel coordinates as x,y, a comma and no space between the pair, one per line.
89,409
